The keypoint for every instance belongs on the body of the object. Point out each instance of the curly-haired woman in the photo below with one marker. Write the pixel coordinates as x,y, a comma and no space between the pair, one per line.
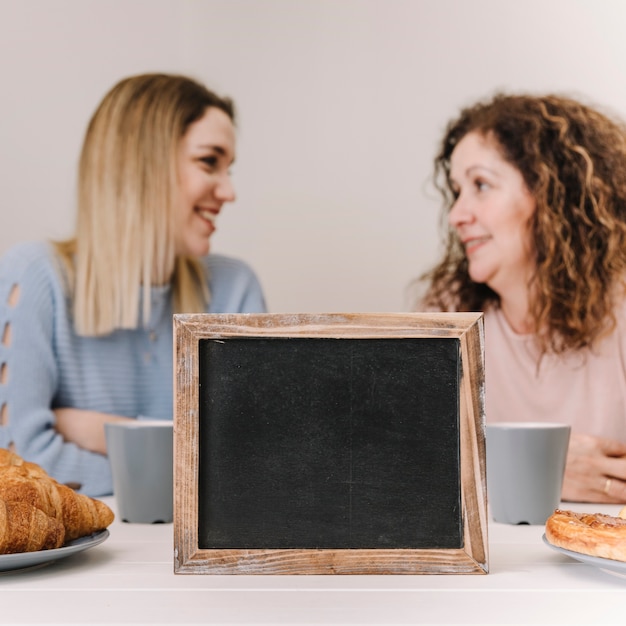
535,199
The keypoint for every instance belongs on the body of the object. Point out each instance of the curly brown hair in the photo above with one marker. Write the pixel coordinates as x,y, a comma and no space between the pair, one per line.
573,160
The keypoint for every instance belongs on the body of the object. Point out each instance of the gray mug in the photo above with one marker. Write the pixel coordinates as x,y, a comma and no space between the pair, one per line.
525,468
141,456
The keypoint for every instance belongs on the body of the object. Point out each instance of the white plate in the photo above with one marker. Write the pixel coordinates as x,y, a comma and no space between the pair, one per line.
10,562
597,561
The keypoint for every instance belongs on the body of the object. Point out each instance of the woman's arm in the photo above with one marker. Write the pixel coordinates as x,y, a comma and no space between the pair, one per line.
85,428
31,298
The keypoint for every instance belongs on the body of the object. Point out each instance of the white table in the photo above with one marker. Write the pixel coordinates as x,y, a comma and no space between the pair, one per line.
129,579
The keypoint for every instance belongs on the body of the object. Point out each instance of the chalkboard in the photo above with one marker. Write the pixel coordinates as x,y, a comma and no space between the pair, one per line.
329,444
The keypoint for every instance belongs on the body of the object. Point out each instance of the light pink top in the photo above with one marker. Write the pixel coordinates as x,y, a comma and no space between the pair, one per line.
586,390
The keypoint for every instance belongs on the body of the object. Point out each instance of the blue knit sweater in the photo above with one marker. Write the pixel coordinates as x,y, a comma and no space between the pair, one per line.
45,365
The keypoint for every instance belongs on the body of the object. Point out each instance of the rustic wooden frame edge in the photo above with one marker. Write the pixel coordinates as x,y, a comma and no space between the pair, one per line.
189,559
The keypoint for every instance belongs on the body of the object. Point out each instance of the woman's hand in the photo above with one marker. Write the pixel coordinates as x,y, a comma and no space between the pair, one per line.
85,428
595,470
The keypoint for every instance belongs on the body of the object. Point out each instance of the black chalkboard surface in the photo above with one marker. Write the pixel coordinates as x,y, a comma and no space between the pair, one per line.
331,443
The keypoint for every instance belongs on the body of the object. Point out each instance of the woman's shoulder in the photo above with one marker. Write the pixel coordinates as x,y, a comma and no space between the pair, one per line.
233,285
619,311
30,277
225,272
226,265
28,260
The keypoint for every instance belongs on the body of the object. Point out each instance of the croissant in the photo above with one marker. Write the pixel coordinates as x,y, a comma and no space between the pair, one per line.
79,514
18,485
82,515
9,458
25,528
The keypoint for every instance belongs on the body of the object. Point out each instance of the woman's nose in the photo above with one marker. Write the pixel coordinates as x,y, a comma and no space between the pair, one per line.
225,189
460,212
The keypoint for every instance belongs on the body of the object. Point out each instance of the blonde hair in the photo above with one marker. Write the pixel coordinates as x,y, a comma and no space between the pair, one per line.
127,193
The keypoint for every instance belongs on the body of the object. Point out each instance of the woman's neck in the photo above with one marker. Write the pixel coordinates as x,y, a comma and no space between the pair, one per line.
515,306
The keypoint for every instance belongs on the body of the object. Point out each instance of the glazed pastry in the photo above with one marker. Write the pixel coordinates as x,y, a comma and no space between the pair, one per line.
594,534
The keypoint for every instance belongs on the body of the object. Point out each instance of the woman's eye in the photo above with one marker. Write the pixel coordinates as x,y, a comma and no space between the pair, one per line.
481,185
209,161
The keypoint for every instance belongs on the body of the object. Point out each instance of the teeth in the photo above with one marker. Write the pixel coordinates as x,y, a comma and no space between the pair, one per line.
207,215
470,242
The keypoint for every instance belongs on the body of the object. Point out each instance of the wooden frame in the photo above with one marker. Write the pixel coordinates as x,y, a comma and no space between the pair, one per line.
471,558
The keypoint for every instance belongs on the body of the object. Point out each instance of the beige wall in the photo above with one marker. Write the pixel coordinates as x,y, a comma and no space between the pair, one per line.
341,105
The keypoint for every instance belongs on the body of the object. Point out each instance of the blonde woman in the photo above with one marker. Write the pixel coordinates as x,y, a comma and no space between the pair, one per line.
87,323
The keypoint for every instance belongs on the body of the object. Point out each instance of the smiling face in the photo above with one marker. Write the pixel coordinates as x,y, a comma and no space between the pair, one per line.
491,214
207,150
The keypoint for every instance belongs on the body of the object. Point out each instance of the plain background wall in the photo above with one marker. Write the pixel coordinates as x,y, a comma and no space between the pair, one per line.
341,105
